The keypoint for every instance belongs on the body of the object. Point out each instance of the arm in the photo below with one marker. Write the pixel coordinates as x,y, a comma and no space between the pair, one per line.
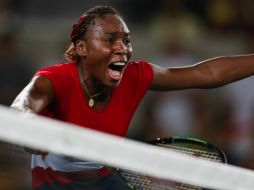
207,74
34,98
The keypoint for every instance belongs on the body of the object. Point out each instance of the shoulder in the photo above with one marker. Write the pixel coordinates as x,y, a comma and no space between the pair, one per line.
138,64
60,75
59,67
139,67
139,71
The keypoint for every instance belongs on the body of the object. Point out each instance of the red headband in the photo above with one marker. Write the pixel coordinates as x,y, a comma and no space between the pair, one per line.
76,29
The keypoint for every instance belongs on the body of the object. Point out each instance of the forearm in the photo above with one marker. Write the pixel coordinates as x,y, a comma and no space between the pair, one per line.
224,70
206,74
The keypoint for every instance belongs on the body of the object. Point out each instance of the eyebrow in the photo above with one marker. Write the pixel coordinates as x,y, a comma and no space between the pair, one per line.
115,33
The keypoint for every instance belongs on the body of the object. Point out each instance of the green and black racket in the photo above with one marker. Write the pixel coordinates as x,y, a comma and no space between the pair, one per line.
191,146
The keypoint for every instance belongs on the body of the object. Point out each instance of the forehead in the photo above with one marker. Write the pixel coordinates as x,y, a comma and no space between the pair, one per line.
108,23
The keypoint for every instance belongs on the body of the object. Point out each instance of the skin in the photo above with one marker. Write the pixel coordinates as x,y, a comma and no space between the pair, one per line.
107,41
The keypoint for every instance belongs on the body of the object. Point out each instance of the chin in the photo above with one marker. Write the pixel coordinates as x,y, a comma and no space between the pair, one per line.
114,84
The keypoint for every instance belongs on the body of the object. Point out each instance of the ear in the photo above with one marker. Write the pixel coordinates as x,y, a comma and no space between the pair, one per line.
81,48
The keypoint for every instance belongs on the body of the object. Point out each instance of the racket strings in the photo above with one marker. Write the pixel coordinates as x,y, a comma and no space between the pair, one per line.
142,182
195,150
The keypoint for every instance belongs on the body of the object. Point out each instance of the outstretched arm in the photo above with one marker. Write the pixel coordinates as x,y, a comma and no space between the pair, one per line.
34,98
206,74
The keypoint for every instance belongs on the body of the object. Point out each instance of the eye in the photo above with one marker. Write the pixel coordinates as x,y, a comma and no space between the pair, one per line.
109,40
127,40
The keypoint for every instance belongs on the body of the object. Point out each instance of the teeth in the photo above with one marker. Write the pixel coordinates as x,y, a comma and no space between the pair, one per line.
119,63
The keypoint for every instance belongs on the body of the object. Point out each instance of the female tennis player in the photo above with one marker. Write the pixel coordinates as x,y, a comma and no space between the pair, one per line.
100,88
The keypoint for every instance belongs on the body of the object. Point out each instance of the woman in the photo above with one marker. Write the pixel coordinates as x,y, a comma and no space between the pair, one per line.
99,88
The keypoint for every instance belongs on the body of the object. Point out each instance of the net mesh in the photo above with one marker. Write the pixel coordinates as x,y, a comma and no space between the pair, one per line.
15,164
83,143
14,168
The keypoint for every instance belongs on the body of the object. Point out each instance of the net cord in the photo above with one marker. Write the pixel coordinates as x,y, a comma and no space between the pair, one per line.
60,137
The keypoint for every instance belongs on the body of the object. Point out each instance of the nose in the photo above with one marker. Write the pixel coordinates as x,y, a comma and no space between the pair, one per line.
121,48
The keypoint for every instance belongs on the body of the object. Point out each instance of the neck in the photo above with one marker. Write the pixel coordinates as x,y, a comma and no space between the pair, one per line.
93,92
92,86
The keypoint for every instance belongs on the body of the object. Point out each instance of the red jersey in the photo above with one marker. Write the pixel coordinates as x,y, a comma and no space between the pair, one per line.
70,105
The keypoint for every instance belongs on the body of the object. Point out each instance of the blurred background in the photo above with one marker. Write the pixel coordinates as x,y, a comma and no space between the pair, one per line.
34,34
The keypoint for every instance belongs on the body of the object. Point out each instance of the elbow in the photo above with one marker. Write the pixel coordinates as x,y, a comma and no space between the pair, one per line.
22,105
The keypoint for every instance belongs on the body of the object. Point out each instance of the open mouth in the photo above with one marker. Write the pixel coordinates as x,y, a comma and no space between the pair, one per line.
115,70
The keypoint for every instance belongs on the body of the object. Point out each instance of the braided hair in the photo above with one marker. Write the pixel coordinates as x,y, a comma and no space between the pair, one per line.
84,22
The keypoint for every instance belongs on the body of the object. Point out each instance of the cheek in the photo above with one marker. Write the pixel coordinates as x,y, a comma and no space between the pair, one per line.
101,50
130,53
98,54
100,60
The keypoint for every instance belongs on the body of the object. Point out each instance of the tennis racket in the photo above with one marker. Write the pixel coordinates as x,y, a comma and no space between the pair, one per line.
187,145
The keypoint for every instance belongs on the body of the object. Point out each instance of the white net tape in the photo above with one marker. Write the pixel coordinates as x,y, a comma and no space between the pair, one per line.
59,137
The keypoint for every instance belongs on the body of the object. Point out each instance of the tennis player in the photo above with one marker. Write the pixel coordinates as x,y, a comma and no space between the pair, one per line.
100,88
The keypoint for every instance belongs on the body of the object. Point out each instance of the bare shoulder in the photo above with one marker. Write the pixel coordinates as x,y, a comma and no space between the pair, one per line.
175,78
161,76
41,83
35,96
